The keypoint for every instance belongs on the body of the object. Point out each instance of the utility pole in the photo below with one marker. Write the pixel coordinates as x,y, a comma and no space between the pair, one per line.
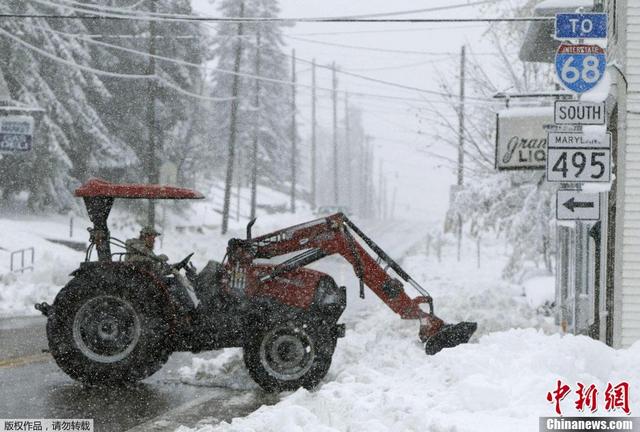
336,186
152,163
365,174
461,143
256,130
371,188
232,126
313,134
392,210
380,190
293,131
385,203
238,183
347,148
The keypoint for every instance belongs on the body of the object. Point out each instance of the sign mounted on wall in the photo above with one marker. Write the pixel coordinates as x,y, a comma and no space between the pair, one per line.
521,138
16,134
580,67
581,26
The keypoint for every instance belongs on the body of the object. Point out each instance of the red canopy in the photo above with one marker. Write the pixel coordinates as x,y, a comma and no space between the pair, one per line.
102,188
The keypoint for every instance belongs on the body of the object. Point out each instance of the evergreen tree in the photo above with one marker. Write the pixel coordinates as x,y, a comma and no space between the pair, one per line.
177,117
517,205
71,140
272,119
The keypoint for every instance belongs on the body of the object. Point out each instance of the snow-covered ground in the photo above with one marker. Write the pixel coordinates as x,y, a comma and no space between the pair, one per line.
381,380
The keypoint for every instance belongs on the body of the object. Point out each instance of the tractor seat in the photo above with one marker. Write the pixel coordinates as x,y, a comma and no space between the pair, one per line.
206,283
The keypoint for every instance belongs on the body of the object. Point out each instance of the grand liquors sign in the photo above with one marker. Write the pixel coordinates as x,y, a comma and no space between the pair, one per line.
521,138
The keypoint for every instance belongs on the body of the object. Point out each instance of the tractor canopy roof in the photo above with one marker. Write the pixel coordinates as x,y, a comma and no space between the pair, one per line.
98,188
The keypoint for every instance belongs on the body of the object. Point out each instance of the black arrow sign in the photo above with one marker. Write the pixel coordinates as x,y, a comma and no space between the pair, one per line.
572,204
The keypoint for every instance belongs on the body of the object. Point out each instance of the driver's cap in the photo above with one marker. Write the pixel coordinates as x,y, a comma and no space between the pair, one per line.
149,231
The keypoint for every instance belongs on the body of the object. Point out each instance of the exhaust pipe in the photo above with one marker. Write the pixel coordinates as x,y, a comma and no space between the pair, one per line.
249,225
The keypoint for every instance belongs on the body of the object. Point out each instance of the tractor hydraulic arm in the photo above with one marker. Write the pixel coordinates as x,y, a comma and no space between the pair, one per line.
335,234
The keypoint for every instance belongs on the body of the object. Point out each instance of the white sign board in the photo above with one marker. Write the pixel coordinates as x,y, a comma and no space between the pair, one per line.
521,138
16,134
578,157
579,113
576,205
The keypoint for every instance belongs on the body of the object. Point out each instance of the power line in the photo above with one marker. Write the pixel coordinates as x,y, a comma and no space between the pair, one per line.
276,20
190,18
71,63
113,12
393,84
394,51
402,66
273,80
403,30
107,73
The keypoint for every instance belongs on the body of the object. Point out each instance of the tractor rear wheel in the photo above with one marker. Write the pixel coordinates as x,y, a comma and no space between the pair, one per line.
108,330
289,353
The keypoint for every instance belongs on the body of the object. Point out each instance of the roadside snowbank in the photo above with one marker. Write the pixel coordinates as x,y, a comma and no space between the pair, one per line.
381,380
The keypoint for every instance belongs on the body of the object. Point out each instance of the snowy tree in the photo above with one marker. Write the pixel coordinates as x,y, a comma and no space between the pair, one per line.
272,119
71,141
517,205
177,117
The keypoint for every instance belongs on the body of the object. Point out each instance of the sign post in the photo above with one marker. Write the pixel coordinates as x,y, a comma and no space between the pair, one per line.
578,157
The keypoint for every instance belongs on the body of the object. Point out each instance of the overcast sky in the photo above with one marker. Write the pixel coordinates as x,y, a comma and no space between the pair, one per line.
422,181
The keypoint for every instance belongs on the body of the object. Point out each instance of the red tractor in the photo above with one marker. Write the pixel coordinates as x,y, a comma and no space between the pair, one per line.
117,321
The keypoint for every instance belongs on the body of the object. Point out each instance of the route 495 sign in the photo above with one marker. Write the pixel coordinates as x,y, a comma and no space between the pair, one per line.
580,67
574,157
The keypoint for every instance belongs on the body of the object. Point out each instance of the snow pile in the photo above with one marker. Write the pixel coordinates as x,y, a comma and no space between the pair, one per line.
225,370
52,263
381,379
540,290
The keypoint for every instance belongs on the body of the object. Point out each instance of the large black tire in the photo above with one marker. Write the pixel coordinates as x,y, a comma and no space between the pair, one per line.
289,352
108,329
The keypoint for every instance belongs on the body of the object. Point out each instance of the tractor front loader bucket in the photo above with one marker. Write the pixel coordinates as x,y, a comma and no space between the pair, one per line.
449,336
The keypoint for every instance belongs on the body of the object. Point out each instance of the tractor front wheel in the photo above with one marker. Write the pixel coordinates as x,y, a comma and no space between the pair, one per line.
290,353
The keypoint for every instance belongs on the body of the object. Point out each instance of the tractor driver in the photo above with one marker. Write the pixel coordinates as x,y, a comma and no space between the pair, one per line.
141,248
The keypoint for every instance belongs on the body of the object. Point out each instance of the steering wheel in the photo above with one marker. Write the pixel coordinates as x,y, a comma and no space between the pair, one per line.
182,264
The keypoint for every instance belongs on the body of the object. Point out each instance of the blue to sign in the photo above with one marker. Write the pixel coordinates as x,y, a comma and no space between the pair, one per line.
580,67
581,26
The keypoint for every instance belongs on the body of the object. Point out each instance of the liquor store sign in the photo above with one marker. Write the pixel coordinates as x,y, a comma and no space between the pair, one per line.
521,138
